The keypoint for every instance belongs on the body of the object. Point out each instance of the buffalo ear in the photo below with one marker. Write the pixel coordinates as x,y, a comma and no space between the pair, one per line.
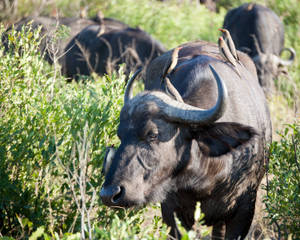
220,138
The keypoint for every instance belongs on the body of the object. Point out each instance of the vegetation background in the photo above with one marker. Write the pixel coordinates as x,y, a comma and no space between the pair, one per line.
53,134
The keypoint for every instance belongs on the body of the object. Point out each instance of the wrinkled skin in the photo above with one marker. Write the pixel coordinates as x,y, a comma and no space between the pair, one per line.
220,164
253,20
90,51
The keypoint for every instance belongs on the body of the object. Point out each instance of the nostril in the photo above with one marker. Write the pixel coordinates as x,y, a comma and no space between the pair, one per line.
118,195
111,195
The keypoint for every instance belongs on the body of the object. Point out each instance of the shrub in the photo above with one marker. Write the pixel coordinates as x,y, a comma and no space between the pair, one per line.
52,141
283,189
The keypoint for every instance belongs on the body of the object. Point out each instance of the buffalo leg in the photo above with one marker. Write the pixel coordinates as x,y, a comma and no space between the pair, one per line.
239,225
218,231
169,219
186,216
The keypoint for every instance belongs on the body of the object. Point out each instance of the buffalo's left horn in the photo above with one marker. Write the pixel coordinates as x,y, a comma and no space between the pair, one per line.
109,155
129,86
291,58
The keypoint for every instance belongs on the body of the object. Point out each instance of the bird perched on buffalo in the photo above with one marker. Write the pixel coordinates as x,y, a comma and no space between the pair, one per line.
226,54
171,64
227,38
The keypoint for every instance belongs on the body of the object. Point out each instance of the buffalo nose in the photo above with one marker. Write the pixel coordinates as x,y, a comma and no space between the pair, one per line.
111,195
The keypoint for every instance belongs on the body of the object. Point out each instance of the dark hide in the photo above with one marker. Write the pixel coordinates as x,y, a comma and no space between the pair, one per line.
251,21
90,52
177,164
49,26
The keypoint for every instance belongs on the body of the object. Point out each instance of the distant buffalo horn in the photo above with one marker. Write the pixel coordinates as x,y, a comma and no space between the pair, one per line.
277,61
290,60
129,86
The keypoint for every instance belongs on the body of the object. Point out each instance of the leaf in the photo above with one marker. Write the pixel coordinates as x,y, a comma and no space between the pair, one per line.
197,213
38,233
42,141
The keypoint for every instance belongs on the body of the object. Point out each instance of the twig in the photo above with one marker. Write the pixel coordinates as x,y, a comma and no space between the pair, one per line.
295,153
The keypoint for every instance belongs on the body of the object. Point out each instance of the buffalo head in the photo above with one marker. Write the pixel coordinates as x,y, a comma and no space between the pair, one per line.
269,65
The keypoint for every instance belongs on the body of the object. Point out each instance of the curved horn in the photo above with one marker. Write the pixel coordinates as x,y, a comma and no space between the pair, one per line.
291,58
109,155
182,112
129,86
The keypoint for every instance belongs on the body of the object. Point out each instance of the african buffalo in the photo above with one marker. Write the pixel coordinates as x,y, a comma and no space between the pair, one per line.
50,45
259,32
206,142
94,50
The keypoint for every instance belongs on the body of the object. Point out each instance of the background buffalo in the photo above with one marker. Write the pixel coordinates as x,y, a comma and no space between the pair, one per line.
52,44
259,32
94,51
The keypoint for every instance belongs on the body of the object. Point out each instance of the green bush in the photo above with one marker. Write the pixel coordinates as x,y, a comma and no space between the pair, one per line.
283,188
52,141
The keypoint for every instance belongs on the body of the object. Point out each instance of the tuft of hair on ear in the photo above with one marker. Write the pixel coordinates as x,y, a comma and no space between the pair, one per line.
220,138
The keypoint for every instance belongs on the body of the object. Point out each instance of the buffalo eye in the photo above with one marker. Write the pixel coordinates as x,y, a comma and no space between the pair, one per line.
152,136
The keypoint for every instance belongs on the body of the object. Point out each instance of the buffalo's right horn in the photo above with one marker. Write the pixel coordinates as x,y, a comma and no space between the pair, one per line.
291,58
185,113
